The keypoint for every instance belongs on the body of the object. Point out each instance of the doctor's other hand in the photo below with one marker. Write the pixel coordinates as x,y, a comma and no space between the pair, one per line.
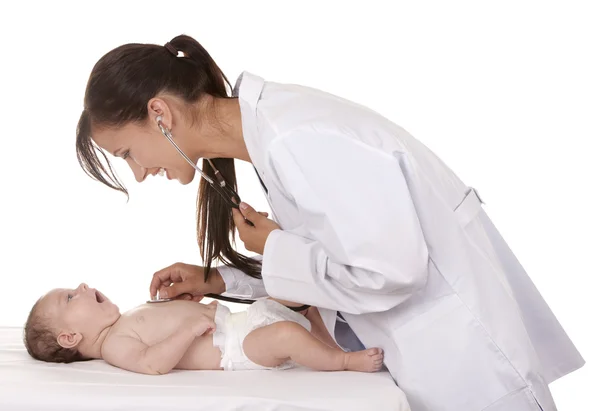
185,282
254,238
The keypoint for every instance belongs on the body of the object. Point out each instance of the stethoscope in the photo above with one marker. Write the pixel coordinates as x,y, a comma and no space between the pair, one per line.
229,195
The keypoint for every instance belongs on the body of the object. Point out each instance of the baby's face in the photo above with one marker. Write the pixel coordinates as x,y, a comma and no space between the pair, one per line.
81,310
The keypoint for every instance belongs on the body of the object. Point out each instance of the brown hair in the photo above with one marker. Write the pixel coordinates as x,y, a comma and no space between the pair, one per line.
41,340
119,88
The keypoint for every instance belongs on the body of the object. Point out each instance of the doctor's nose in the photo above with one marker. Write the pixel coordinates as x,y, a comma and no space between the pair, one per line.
139,172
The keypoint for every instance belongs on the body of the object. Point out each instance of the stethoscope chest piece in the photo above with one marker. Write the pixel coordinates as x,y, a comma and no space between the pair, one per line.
160,300
157,299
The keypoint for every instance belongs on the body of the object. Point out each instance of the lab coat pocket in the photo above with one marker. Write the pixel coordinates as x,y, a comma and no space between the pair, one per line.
468,208
467,212
449,361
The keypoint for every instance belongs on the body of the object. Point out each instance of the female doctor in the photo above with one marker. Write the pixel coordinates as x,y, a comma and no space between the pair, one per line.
368,224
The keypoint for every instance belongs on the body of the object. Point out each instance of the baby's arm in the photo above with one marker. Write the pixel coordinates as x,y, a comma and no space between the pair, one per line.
131,354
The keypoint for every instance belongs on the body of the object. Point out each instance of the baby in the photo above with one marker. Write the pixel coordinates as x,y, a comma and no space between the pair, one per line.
154,338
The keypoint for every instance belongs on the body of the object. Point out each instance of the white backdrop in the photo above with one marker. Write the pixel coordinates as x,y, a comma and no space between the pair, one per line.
506,93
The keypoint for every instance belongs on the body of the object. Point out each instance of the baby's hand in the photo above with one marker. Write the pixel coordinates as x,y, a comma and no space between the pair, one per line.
203,325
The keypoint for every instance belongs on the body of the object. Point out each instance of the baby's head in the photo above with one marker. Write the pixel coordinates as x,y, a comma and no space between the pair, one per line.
65,322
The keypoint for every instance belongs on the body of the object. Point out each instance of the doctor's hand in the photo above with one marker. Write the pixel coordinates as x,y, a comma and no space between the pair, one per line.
185,282
254,238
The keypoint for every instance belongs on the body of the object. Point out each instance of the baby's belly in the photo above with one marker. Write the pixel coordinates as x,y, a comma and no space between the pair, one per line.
154,323
201,356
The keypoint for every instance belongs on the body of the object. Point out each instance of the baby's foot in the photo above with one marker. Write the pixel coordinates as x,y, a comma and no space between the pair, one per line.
369,360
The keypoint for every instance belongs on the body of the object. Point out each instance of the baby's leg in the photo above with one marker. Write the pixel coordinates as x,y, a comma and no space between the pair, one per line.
318,328
274,344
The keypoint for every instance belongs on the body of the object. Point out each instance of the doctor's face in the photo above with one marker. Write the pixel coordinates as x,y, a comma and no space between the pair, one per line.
146,150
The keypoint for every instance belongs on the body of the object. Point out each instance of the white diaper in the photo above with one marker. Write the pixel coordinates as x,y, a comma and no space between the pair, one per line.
232,328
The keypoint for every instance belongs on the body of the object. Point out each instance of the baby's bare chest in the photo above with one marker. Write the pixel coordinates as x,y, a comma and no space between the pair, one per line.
152,323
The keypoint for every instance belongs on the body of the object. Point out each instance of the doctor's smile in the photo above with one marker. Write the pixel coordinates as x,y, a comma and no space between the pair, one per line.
374,255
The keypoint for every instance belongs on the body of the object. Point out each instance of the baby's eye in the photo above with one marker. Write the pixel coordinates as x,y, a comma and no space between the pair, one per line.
69,296
125,155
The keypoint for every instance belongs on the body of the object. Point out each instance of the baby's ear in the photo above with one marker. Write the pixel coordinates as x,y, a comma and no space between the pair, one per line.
69,340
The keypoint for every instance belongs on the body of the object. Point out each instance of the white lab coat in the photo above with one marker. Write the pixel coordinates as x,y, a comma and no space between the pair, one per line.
377,227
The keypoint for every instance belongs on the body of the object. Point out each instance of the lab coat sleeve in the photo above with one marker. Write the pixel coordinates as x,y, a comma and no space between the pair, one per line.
239,284
360,247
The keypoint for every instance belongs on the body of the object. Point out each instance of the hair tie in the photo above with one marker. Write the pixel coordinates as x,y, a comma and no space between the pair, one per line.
171,49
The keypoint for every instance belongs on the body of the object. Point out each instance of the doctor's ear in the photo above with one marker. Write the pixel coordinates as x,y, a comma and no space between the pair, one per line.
158,109
69,340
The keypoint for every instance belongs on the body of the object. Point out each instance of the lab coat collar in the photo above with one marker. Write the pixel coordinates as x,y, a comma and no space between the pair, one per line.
248,89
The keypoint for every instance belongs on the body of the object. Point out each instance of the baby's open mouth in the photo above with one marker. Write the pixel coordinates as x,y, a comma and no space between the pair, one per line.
99,297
